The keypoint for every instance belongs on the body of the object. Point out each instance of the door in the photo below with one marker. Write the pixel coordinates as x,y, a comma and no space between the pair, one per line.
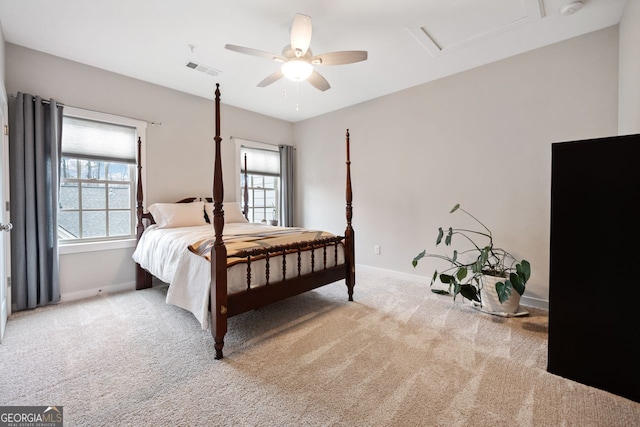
5,225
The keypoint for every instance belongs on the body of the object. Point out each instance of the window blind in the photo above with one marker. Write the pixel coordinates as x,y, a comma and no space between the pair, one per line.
94,140
260,161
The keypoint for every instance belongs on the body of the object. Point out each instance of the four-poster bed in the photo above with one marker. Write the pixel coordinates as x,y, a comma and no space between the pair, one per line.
275,262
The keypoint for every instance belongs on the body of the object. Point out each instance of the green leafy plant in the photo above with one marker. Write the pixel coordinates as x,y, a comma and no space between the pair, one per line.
465,277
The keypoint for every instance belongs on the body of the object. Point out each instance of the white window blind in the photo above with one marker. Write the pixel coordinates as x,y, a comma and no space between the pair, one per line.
260,161
94,140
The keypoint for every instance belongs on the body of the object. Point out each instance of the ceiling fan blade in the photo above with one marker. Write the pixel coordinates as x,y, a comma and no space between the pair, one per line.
318,81
340,58
301,34
254,52
271,78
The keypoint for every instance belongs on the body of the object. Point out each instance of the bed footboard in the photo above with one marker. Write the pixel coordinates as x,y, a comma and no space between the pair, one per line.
329,247
323,265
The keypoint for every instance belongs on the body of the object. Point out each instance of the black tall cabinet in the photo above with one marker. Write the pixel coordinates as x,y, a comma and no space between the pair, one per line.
594,284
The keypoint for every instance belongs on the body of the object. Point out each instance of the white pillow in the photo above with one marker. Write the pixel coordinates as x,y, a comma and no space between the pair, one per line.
171,215
232,212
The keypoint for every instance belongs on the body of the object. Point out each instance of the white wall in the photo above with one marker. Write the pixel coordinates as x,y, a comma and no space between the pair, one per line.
481,138
179,153
629,89
2,58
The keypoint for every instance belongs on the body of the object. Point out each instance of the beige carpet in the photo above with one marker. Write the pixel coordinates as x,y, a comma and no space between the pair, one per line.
397,356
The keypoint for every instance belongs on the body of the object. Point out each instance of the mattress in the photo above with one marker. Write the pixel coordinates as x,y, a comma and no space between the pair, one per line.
164,252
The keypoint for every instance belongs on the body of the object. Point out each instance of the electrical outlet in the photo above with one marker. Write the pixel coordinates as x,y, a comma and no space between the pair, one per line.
376,249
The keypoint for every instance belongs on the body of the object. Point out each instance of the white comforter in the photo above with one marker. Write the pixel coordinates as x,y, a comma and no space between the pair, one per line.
164,253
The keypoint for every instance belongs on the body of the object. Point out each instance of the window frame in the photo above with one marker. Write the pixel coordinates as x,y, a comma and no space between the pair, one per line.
253,189
115,242
239,143
105,185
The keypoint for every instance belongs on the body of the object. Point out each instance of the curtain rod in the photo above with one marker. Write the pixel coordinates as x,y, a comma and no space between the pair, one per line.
46,101
260,149
251,140
258,142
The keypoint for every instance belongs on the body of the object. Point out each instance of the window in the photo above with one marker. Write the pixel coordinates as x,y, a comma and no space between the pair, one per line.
263,183
263,197
97,177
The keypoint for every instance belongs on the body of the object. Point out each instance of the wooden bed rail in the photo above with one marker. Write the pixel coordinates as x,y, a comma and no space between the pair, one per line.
296,249
291,247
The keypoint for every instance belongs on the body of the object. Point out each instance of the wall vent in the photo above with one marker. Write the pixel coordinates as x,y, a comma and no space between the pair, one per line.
203,68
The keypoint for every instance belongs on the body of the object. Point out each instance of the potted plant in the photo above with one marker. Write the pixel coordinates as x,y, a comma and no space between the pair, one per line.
482,268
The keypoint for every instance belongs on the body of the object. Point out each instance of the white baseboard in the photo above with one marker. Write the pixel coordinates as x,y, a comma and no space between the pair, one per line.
87,293
394,274
71,296
534,302
524,300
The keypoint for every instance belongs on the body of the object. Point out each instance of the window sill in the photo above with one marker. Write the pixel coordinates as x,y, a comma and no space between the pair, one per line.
74,248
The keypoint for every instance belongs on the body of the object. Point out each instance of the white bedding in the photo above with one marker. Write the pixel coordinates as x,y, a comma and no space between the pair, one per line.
164,253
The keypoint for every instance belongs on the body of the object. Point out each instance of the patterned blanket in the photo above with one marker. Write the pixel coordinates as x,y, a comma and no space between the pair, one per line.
236,243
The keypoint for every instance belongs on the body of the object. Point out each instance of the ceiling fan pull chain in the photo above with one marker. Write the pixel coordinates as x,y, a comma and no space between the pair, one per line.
297,96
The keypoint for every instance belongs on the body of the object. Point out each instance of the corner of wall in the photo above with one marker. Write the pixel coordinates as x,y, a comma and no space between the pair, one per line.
629,69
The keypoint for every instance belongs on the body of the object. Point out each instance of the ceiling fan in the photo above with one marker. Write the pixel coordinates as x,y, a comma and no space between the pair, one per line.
298,60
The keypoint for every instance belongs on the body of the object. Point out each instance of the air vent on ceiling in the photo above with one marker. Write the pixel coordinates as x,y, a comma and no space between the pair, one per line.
203,68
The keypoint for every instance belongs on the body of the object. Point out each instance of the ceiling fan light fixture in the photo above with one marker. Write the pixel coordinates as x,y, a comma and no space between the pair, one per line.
296,70
298,59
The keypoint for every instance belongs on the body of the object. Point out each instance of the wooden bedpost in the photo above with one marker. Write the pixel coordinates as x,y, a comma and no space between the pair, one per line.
143,278
349,241
245,209
218,284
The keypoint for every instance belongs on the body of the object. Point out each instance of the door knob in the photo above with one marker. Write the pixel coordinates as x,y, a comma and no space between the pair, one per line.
6,227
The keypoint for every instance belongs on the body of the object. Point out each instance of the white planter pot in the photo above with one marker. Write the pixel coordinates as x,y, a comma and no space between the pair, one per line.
490,300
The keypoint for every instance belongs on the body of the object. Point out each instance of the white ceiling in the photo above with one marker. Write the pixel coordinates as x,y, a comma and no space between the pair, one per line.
410,42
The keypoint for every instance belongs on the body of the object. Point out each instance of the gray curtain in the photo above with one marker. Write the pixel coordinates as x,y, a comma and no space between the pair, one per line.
34,145
287,155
